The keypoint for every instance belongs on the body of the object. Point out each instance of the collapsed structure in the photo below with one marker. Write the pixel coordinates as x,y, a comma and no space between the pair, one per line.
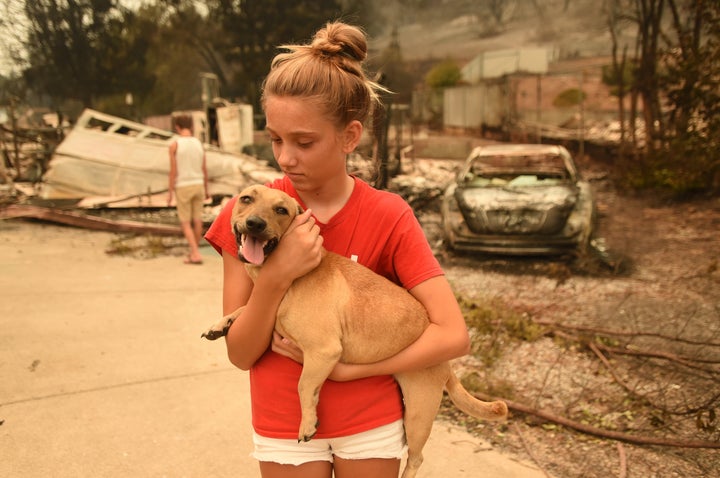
105,159
110,162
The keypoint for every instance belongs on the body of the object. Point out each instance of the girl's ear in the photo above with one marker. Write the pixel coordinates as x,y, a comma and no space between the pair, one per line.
351,136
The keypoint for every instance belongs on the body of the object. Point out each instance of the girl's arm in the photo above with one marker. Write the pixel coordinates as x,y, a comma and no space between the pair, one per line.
298,253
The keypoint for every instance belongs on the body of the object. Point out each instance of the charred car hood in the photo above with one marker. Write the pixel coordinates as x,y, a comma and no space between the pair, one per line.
505,210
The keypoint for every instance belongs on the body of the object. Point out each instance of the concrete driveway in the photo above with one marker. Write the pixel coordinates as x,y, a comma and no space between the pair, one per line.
104,373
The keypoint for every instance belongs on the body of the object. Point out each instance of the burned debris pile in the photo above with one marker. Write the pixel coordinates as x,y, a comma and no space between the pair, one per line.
106,162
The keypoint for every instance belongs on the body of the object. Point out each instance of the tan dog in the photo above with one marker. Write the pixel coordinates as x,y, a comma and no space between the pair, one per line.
344,294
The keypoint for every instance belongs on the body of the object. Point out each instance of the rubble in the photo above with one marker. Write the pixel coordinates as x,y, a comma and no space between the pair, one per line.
109,159
87,221
106,162
423,181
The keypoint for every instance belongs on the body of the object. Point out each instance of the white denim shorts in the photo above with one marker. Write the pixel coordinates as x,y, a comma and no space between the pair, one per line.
387,441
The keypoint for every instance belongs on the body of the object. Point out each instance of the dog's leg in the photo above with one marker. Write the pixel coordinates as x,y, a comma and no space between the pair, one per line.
422,393
317,366
221,327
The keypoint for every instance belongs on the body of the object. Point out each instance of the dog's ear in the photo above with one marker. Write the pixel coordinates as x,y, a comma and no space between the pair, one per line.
300,210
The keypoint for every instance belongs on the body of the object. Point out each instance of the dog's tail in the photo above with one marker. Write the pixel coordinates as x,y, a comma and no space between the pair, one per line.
477,408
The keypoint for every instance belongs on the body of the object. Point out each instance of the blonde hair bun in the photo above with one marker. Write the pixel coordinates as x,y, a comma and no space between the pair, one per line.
329,70
341,39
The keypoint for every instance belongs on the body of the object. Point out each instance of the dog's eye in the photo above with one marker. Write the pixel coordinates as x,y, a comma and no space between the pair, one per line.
246,199
281,211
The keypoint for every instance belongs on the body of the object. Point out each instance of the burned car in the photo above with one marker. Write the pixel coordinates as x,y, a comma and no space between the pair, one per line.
521,199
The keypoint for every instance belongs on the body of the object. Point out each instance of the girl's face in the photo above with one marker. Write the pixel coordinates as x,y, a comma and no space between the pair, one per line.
307,145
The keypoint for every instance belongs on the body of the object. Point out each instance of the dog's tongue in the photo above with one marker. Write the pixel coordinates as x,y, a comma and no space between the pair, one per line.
252,250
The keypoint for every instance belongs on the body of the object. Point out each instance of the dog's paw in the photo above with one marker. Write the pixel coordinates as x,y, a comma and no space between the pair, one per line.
218,330
213,334
307,433
306,438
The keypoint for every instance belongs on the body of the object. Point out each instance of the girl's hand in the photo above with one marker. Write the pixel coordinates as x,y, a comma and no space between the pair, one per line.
286,348
299,250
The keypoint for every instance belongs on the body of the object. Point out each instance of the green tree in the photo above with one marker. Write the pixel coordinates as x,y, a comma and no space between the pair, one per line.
444,74
691,84
364,13
233,40
691,76
395,75
569,98
84,49
619,74
252,31
181,49
676,80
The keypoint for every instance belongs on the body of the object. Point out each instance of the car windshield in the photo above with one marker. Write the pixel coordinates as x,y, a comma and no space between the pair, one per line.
517,170
545,165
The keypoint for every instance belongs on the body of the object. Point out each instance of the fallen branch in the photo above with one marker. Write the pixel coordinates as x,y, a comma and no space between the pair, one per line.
600,432
689,362
619,333
628,389
622,473
690,411
611,369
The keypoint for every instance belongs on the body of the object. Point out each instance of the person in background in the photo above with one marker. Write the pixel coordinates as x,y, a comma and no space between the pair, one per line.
316,99
188,181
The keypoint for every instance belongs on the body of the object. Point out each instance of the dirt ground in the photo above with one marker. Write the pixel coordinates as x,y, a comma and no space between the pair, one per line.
665,294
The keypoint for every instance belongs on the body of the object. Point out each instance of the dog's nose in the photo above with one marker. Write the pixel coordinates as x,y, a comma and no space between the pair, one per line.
255,224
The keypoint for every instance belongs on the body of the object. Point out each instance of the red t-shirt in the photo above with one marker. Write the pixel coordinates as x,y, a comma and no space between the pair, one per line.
380,231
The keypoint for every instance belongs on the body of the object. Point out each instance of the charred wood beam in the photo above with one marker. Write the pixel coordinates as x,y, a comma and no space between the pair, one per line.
76,219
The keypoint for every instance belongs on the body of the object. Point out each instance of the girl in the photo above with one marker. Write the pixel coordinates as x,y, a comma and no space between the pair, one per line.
316,99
